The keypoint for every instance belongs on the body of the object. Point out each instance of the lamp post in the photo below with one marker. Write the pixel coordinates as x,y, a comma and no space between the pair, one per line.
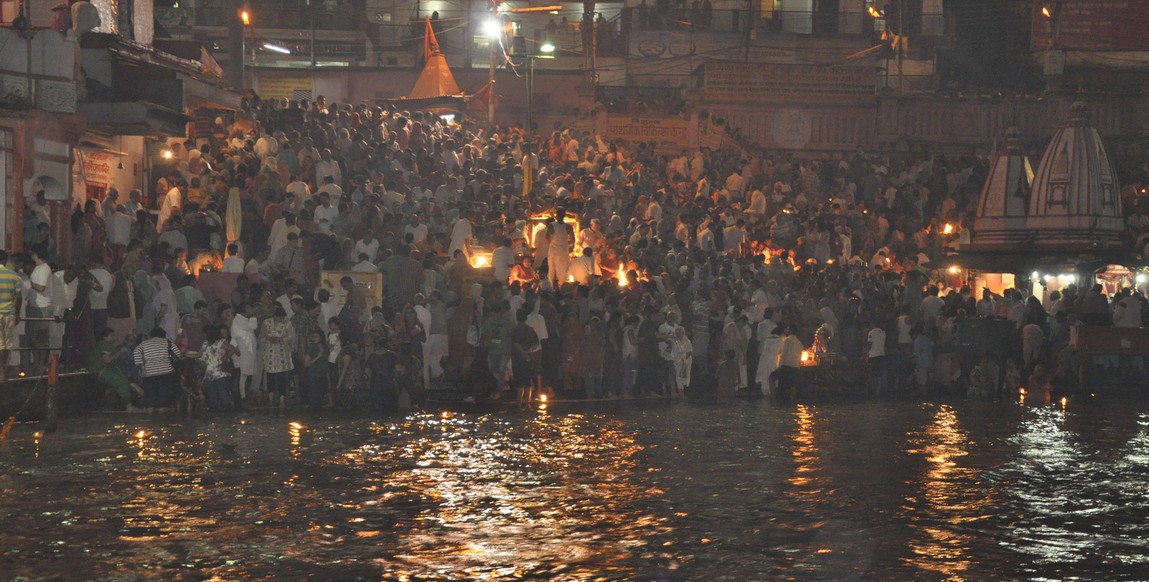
245,18
546,51
494,31
236,47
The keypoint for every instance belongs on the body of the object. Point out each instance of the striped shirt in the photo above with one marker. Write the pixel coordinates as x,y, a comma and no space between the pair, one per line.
152,357
10,287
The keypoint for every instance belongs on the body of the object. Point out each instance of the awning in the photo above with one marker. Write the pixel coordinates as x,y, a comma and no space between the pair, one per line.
135,118
198,93
1041,261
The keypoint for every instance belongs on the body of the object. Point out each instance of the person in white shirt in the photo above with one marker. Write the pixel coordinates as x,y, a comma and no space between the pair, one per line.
259,265
653,210
417,230
119,226
243,328
40,306
757,203
325,214
331,189
876,358
171,203
233,263
733,236
558,249
705,237
102,284
368,245
298,192
282,227
327,168
503,259
365,265
461,235
592,237
266,146
584,270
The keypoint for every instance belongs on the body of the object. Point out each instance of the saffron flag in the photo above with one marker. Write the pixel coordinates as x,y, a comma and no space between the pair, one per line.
430,43
483,94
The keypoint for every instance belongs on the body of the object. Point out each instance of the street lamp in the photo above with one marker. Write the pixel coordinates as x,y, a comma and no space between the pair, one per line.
245,17
493,31
546,51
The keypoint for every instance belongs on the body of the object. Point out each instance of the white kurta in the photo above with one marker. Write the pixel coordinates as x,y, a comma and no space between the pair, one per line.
243,336
770,347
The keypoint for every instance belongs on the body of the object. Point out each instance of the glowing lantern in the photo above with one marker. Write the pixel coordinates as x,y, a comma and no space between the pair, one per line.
808,358
481,260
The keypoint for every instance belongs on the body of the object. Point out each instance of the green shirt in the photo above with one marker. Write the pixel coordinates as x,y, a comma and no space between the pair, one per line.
10,290
497,335
96,356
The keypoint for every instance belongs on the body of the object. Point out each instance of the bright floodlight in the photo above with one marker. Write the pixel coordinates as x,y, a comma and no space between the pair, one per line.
547,47
277,48
492,29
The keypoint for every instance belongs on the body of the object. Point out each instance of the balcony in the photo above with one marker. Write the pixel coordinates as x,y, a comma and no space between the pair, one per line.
37,70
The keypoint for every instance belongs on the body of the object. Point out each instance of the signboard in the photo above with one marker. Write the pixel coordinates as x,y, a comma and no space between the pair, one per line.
666,132
95,166
787,83
370,283
280,86
1091,25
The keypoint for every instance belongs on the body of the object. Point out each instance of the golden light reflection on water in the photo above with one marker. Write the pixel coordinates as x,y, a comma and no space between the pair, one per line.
807,456
494,499
943,496
677,493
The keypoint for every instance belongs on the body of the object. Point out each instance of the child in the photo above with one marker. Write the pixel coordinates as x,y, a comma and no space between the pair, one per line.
334,351
984,378
216,354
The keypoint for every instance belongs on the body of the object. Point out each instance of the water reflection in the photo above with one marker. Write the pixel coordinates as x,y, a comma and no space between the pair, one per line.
494,498
887,491
806,454
943,505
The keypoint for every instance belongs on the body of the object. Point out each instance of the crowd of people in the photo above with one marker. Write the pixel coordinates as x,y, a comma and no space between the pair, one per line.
514,266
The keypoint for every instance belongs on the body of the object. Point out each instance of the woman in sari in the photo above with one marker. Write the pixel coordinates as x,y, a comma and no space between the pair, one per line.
78,323
163,306
574,343
103,364
145,293
460,352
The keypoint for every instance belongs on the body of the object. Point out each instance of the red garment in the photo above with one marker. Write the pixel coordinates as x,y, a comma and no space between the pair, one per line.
574,342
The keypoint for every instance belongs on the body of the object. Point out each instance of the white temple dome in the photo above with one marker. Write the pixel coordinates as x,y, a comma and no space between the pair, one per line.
1075,200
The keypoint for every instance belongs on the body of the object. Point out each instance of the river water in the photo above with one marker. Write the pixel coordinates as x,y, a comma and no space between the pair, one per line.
624,491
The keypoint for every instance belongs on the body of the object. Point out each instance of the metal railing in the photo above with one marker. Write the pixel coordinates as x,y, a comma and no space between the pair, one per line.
776,21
